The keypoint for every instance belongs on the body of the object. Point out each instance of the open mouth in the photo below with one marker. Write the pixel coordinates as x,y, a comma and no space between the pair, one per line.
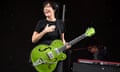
47,11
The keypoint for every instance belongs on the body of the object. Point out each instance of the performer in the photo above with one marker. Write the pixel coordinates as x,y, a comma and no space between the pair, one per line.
98,52
50,29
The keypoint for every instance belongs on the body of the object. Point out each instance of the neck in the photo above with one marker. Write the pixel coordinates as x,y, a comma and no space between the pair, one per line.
51,18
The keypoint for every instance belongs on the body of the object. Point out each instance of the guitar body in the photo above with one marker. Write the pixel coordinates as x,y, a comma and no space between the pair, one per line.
45,57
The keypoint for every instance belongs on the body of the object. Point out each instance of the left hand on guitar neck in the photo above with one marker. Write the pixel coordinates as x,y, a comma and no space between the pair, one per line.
68,46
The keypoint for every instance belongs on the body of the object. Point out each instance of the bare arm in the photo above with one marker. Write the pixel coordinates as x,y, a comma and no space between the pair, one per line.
36,36
64,42
63,38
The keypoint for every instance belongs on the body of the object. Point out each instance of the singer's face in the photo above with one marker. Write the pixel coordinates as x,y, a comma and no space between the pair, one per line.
48,10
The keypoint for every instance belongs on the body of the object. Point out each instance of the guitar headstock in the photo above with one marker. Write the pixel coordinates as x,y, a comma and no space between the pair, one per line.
90,31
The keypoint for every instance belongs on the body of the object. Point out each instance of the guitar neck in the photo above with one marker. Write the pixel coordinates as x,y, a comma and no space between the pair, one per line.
72,42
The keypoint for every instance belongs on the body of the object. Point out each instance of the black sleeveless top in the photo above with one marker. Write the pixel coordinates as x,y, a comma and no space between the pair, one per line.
49,37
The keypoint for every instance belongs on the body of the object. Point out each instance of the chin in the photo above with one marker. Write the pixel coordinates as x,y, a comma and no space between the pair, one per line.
47,15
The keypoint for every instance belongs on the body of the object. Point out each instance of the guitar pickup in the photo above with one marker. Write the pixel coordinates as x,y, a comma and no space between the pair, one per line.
57,51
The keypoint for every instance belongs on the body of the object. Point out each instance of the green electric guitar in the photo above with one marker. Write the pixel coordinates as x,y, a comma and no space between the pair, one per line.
45,57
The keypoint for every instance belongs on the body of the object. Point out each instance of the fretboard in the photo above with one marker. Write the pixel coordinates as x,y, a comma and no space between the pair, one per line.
72,42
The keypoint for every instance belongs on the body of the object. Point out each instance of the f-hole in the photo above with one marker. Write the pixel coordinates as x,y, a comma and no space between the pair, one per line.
44,49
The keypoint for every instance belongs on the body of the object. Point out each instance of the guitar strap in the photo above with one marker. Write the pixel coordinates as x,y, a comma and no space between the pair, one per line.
58,26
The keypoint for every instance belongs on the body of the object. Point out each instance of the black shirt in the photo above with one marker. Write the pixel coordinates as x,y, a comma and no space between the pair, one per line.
49,37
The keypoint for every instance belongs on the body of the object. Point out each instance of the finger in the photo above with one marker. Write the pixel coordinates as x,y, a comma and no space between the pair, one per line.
53,27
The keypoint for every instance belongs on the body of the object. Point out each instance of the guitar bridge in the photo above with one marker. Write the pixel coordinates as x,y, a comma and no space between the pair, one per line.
50,55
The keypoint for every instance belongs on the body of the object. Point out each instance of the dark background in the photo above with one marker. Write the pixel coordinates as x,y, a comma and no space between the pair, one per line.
19,18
